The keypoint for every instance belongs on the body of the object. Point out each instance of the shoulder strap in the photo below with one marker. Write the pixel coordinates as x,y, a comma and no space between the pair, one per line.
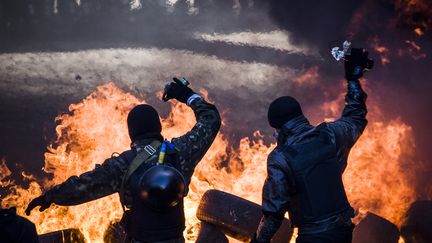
141,158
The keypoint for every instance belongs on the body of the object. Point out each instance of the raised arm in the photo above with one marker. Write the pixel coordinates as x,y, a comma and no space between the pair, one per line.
351,125
104,180
194,144
353,121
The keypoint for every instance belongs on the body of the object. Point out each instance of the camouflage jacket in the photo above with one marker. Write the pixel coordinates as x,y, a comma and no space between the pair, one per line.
107,178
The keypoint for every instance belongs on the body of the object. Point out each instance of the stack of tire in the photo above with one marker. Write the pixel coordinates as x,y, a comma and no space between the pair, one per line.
223,214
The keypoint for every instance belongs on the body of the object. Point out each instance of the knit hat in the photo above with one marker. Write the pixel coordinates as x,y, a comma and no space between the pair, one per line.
143,122
282,110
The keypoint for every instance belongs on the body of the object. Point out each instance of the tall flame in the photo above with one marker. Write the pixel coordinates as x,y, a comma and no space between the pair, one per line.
96,127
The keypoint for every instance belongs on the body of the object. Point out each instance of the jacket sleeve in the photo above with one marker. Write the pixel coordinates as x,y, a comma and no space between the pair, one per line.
104,180
276,196
194,144
351,125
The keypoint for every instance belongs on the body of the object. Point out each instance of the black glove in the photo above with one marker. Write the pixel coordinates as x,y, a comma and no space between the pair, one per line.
177,91
356,63
39,201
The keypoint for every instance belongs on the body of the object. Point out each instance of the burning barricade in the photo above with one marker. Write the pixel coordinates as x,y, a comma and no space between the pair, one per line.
375,179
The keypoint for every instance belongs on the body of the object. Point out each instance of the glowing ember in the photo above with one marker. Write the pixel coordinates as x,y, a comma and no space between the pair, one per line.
413,50
413,45
419,31
4,172
415,14
96,127
382,50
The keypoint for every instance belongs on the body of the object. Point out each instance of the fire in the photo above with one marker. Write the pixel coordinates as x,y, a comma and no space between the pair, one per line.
4,173
383,51
415,14
375,179
96,127
413,50
419,31
380,166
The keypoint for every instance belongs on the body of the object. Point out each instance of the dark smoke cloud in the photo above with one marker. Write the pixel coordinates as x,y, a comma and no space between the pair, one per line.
318,22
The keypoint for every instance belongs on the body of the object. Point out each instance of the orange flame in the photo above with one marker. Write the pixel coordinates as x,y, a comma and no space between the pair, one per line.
381,50
380,166
415,14
4,173
419,31
94,128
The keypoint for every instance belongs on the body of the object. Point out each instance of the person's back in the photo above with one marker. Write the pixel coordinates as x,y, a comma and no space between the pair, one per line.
16,229
305,169
145,175
317,173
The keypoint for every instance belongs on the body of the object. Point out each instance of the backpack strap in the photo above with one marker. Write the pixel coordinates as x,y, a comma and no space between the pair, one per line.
141,158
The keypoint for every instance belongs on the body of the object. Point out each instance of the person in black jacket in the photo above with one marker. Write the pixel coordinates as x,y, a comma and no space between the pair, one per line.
304,171
16,229
152,178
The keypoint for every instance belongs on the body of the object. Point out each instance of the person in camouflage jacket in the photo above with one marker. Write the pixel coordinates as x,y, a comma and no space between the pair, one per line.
144,127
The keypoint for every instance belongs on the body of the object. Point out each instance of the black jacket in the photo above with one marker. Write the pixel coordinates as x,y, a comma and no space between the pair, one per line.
16,229
280,185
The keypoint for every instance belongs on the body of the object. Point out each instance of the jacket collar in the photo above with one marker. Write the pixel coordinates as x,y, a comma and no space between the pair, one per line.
294,129
141,143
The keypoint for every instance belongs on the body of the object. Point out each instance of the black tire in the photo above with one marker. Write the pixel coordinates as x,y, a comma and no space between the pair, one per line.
210,233
375,229
115,233
417,227
65,236
235,216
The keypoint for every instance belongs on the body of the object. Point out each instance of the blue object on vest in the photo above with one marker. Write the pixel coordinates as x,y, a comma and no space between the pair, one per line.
158,190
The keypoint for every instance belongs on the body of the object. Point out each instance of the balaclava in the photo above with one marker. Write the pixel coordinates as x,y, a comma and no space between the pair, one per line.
282,110
143,122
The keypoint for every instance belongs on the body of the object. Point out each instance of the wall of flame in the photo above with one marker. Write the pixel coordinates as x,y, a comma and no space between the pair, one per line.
376,179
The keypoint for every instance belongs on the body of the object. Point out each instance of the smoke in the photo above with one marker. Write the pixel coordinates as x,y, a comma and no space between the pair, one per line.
314,22
278,40
78,73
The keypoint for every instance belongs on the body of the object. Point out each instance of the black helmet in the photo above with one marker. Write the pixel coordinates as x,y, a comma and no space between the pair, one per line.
161,187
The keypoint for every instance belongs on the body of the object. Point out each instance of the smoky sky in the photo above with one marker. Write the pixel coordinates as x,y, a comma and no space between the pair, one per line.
401,87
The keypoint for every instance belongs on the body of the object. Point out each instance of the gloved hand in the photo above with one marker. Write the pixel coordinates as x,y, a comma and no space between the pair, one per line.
39,201
177,91
356,63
